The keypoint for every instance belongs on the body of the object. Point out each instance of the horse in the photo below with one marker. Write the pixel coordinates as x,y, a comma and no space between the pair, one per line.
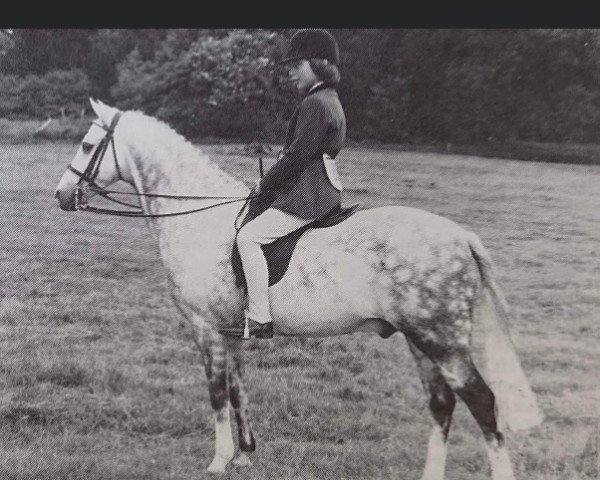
384,270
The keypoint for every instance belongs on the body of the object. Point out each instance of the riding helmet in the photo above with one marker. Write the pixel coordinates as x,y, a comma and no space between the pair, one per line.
313,43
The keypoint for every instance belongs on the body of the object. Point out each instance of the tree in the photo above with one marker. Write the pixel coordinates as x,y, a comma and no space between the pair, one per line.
38,96
220,84
398,85
37,51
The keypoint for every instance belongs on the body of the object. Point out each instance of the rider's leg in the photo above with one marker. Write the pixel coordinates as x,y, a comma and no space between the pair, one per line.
266,228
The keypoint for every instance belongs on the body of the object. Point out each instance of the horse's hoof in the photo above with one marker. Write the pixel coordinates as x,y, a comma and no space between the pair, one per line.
242,460
217,466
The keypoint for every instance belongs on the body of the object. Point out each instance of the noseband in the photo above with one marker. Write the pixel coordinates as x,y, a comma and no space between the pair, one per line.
89,175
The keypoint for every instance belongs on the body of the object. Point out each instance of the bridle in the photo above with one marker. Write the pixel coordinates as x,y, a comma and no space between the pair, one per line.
89,175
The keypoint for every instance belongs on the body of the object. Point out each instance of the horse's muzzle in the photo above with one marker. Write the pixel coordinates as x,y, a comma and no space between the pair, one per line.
66,200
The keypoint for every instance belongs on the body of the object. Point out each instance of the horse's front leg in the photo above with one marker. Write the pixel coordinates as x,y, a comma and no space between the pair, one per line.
239,401
214,353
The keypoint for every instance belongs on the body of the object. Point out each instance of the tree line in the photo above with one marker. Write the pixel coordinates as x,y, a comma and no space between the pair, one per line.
398,85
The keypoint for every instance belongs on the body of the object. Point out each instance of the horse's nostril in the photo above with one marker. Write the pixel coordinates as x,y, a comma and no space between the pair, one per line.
56,194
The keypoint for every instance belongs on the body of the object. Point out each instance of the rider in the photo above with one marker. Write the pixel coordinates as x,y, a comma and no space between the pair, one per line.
304,181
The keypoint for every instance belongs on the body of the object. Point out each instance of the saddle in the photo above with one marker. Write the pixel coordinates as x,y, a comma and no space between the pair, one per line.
279,252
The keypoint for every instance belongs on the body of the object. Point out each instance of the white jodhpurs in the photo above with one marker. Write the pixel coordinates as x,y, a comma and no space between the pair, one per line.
266,228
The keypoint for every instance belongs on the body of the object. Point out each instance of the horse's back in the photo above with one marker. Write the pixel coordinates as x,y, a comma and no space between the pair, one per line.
400,215
403,227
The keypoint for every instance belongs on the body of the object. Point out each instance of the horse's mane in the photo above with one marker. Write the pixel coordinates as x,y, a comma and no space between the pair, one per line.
178,156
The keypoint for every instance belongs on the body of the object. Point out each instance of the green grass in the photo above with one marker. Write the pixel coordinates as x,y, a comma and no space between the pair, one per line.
100,379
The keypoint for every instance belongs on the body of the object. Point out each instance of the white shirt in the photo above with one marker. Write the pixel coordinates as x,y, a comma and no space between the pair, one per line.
314,86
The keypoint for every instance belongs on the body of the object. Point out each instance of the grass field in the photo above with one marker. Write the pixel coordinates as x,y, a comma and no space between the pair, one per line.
100,379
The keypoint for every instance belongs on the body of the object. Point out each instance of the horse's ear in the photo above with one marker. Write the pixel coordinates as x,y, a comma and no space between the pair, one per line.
96,107
104,112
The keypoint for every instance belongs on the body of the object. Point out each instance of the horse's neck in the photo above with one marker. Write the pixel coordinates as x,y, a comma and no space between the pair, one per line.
164,163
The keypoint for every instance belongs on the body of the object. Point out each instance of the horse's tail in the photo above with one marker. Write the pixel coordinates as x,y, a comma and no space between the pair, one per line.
517,405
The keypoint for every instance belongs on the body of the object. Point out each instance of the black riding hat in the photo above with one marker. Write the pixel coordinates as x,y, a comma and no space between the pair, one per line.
312,43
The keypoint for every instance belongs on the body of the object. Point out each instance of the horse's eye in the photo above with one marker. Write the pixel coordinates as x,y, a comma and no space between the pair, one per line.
87,147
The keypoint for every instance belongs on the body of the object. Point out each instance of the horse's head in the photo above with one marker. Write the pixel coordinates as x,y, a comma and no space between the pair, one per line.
100,160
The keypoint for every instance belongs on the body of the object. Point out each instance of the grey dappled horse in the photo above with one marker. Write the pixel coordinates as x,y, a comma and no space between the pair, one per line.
383,270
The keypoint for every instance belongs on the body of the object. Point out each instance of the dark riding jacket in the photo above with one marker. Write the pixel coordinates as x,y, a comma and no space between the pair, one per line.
299,180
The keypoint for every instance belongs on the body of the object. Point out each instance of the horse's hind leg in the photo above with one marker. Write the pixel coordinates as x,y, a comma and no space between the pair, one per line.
457,368
441,405
481,403
239,401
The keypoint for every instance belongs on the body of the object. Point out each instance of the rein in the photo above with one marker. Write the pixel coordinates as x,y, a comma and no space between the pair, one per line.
140,214
91,172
